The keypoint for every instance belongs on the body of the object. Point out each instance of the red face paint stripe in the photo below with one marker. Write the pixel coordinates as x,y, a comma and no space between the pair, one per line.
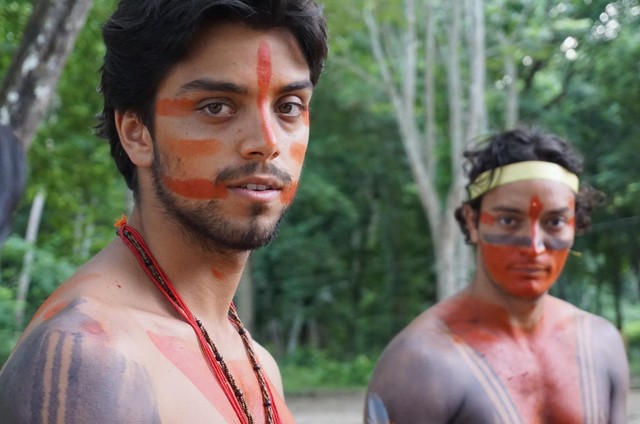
208,147
264,81
174,107
196,188
535,209
487,218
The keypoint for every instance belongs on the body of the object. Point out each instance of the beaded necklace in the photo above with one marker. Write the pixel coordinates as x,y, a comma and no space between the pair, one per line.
133,240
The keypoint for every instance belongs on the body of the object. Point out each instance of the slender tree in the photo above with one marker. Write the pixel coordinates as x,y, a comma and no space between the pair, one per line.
467,115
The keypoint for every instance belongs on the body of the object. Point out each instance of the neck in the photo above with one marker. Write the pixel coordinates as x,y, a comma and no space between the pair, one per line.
517,314
206,279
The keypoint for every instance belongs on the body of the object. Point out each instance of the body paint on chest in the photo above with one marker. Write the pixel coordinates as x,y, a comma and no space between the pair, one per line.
195,369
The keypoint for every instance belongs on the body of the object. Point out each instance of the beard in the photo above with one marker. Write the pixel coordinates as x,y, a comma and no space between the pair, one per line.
207,225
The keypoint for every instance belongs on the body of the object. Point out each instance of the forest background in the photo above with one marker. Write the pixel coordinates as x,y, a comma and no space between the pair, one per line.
370,241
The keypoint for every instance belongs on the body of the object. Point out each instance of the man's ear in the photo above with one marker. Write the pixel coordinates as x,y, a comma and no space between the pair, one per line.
135,138
471,218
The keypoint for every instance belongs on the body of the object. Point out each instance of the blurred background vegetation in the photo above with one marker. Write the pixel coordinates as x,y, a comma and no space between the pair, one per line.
354,262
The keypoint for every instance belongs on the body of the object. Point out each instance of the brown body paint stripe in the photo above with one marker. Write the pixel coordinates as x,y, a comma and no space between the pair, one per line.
589,393
507,413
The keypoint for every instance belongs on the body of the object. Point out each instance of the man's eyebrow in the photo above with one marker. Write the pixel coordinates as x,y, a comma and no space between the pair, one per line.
295,86
500,208
211,85
205,84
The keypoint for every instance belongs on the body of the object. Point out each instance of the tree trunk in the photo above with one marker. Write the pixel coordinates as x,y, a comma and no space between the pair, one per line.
34,72
27,264
451,255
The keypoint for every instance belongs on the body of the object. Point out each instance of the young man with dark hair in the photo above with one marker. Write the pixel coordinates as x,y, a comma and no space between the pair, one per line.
503,350
206,108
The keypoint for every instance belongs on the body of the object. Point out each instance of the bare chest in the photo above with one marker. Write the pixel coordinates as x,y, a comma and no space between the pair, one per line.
546,379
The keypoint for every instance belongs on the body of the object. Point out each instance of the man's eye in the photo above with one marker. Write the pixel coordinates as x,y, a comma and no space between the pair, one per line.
217,109
507,220
291,109
556,222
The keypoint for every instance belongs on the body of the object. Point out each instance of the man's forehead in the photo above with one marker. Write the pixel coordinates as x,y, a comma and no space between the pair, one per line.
522,195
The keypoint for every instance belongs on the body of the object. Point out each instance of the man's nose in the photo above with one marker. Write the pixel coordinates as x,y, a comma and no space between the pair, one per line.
536,244
261,141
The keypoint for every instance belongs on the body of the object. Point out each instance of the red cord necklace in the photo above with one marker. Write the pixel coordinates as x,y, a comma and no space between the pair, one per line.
138,247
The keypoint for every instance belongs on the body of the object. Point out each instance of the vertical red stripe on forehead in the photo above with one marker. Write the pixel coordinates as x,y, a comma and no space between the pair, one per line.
535,207
264,68
264,81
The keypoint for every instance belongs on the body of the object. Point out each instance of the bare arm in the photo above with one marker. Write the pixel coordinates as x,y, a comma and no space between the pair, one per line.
65,370
410,385
614,356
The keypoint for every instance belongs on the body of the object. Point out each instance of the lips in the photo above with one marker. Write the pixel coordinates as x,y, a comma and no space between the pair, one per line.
257,187
257,183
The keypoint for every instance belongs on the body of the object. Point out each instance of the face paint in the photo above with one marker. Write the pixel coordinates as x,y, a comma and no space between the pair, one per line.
523,265
288,193
174,107
297,152
194,148
264,81
197,188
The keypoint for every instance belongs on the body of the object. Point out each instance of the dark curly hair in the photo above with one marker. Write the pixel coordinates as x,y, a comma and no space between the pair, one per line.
145,39
525,144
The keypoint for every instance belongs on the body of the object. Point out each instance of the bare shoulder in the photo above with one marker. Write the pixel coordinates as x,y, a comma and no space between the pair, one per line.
70,365
270,367
417,377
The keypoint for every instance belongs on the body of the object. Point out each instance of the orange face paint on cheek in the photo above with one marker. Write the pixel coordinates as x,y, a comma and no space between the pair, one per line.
288,193
297,152
194,148
264,81
174,107
197,188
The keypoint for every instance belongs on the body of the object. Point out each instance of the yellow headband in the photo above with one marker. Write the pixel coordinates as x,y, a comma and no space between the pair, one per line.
520,171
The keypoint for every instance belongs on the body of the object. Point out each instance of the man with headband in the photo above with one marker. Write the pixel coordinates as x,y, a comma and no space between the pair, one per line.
503,350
